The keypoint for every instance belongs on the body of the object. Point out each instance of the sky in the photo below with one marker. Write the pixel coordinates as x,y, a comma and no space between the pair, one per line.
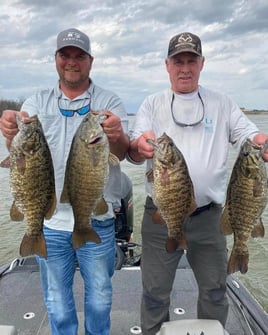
129,42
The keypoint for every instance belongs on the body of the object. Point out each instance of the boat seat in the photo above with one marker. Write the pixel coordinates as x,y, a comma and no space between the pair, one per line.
192,327
8,330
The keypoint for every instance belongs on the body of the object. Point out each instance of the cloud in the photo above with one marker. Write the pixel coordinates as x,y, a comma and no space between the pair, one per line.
130,41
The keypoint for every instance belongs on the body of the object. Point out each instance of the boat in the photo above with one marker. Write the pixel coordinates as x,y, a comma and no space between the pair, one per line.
22,311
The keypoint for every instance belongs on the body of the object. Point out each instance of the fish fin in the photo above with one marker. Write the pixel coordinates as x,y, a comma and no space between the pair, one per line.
225,225
182,243
5,163
237,263
80,237
113,159
21,164
171,245
64,198
257,188
33,245
165,177
258,229
150,176
157,218
193,206
15,213
52,208
101,207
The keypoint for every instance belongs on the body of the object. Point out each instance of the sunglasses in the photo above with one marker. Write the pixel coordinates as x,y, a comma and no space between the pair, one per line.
182,124
70,112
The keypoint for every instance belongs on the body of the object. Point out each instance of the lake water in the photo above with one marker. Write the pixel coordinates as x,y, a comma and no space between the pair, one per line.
256,279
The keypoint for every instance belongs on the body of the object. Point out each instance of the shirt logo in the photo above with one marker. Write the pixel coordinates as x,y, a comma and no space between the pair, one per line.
208,125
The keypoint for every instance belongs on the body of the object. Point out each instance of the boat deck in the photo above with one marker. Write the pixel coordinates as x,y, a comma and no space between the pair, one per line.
21,302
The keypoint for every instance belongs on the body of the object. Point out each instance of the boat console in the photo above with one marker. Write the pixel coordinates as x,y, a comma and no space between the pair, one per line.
192,327
8,330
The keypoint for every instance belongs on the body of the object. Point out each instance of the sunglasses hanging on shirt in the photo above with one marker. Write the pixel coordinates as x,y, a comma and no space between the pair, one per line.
70,112
182,124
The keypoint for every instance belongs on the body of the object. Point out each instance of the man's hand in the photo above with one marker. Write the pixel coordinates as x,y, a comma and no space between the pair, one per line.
144,148
112,126
8,123
140,149
118,140
260,139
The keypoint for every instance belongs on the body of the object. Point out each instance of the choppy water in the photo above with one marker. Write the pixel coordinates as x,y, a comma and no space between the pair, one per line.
256,279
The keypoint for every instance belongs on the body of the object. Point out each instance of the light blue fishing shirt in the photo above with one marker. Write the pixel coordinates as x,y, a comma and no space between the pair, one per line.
205,146
60,130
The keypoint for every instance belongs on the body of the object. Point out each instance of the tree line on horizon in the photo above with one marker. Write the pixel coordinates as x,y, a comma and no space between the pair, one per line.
10,104
16,105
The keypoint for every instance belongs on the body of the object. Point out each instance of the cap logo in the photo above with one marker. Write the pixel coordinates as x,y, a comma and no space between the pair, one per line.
185,39
72,35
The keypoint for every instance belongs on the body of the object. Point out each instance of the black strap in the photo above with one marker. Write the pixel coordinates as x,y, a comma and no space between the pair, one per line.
199,210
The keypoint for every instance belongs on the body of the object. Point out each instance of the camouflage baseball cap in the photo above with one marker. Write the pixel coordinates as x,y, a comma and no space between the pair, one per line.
184,42
75,38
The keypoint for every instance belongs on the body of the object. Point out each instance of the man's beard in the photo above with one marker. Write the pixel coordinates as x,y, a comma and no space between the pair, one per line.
74,83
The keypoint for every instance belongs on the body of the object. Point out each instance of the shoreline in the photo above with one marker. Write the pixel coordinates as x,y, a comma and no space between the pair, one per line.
250,112
256,112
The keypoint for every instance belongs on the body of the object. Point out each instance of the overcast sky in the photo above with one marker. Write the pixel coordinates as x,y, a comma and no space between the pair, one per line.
129,43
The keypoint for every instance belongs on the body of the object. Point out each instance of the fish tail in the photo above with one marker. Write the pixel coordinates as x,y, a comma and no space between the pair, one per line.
238,263
79,238
33,245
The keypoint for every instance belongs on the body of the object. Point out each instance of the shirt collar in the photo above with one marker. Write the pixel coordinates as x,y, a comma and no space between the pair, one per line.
89,92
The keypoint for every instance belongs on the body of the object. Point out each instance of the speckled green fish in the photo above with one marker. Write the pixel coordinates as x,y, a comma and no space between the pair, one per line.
86,176
173,192
245,202
32,183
